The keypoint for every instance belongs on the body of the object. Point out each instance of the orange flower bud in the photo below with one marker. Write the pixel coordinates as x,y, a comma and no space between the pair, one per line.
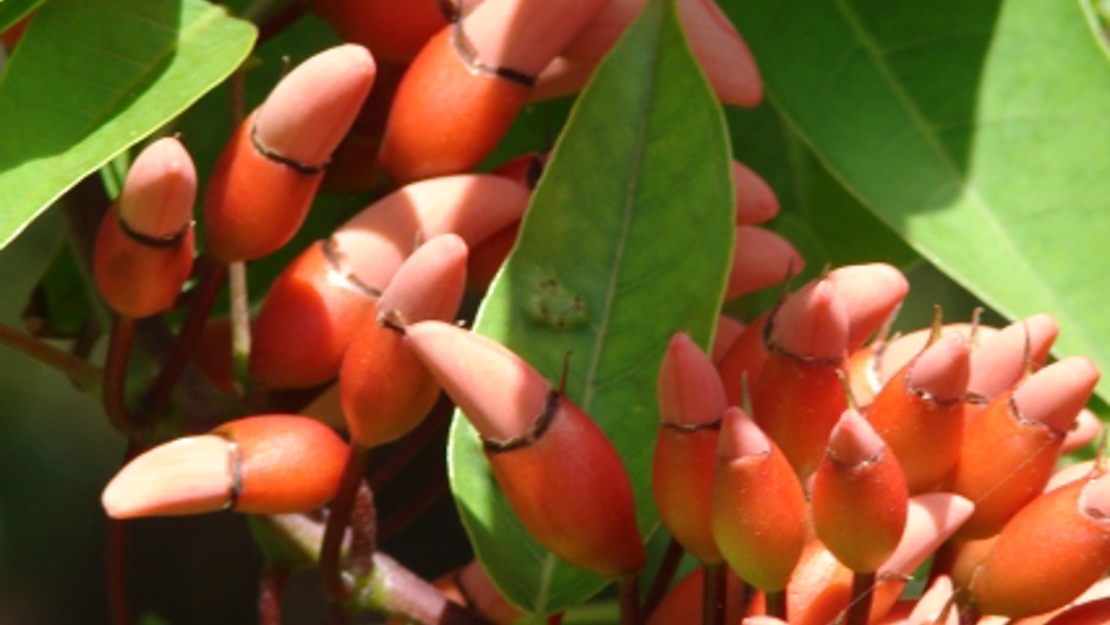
758,511
798,396
1049,553
859,496
1010,448
466,85
269,464
144,249
557,469
691,402
760,259
384,389
920,412
394,31
267,176
744,360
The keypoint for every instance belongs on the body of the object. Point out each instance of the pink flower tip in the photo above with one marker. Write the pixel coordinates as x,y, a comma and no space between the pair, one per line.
812,323
500,393
1095,498
870,293
310,111
160,190
1000,361
942,371
741,437
186,476
853,441
690,390
1055,395
429,284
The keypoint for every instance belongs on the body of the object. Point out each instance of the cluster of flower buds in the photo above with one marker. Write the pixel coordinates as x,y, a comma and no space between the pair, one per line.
859,461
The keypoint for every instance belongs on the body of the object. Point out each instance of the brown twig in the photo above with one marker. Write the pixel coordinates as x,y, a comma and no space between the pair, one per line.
628,587
663,577
715,593
270,589
87,377
115,375
339,516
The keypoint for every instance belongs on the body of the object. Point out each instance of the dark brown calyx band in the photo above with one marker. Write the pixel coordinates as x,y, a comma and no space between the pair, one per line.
171,240
469,55
235,489
450,11
689,428
295,165
539,426
338,264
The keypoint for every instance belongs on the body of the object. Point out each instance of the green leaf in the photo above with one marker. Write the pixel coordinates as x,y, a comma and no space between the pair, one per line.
11,11
94,77
975,130
634,218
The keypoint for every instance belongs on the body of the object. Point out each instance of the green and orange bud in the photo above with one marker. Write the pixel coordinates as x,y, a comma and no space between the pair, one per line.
393,31
859,496
920,412
758,511
798,397
691,402
1010,448
1049,553
270,464
1005,358
266,178
384,389
557,469
308,319
465,87
144,248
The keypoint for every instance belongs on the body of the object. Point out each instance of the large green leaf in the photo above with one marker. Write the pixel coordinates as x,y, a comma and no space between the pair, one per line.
633,221
977,130
93,77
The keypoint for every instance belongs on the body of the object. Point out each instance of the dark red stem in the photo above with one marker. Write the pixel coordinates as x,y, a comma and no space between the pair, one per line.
409,448
859,609
204,299
412,508
117,573
339,515
663,577
776,604
84,375
115,375
270,590
628,587
715,593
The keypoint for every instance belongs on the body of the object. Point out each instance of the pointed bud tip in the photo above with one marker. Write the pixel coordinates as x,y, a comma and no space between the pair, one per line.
160,189
853,441
1000,360
429,284
870,293
812,323
500,393
741,437
942,371
312,108
1055,395
186,476
689,389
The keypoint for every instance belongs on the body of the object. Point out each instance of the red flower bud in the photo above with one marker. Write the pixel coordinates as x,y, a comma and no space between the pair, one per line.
394,31
268,174
269,464
557,469
144,249
384,389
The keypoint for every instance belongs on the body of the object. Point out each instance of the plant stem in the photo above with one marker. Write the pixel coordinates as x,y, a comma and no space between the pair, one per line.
776,603
364,531
270,590
667,568
275,23
240,325
87,377
628,587
117,572
859,608
714,593
115,375
207,290
339,516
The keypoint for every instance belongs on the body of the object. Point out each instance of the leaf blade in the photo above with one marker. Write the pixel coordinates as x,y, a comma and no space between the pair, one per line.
634,213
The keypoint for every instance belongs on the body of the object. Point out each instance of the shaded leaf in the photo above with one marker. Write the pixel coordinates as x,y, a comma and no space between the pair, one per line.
634,218
94,77
976,130
11,11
